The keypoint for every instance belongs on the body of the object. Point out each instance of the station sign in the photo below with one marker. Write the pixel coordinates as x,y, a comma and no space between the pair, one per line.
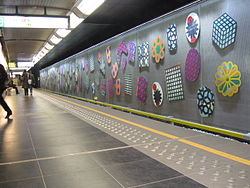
34,22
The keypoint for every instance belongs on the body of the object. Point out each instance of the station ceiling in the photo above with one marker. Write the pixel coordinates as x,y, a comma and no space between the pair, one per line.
111,18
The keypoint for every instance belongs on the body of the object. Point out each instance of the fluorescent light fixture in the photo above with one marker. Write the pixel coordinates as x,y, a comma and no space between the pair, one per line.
89,6
49,46
33,22
63,32
55,40
25,64
74,20
17,68
44,50
17,73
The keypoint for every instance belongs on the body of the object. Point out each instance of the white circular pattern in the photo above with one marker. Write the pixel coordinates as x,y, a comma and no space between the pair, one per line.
157,94
192,27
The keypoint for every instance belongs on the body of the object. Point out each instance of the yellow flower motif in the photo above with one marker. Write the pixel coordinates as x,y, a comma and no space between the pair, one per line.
158,50
228,79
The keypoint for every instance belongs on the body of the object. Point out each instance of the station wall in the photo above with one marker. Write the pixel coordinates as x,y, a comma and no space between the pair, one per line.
81,75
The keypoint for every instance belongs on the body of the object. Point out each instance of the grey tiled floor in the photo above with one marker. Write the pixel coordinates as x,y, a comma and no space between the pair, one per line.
50,143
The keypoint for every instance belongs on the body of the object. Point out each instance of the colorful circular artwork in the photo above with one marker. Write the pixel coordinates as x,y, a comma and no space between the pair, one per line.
114,71
157,94
192,27
205,101
141,91
118,86
158,49
193,65
108,54
228,79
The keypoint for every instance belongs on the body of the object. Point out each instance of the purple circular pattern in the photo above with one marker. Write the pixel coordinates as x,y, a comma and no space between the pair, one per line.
142,89
193,65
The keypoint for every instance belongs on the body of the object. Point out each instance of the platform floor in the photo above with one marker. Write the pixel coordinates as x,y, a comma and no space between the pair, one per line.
58,142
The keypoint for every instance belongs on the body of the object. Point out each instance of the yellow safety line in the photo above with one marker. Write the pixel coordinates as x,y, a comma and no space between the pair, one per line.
211,150
223,154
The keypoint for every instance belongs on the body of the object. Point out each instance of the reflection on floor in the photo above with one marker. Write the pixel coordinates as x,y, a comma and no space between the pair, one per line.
53,141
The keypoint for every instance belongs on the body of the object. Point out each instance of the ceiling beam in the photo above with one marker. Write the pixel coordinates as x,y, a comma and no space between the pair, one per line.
32,6
15,40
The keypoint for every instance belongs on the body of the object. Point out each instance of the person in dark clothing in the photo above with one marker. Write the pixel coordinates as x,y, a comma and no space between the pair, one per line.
11,84
25,82
3,80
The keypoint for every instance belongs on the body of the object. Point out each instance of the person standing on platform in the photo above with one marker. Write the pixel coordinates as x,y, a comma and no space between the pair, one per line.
25,84
11,84
31,81
3,83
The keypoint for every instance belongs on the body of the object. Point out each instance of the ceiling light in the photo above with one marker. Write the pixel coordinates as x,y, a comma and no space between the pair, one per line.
89,6
44,50
63,32
55,40
25,64
49,46
74,20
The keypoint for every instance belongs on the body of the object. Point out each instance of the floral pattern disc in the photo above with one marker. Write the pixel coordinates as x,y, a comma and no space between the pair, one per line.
158,50
228,79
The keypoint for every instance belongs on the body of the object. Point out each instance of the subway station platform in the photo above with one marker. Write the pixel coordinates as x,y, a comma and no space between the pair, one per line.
57,142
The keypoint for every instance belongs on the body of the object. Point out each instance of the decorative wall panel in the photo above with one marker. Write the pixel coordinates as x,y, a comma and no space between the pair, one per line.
128,84
224,31
192,27
228,79
193,65
174,83
172,37
143,55
157,94
141,91
205,101
158,50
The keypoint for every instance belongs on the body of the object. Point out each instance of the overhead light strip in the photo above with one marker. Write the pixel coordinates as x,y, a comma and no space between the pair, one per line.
89,6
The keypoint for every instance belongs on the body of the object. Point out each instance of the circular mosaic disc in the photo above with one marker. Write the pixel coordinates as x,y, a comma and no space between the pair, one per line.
157,94
193,65
192,27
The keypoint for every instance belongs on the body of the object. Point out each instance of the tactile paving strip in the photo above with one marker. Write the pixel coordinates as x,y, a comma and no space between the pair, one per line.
127,133
202,166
